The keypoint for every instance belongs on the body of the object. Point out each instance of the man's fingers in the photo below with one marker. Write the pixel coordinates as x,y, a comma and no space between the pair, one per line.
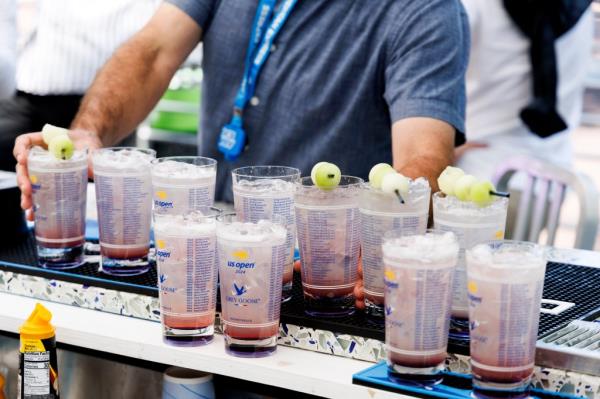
23,143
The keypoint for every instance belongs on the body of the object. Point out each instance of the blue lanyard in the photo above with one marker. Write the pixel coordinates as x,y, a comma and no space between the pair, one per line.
233,137
259,47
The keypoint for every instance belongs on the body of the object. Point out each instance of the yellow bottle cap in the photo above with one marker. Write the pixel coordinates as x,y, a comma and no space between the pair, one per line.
38,324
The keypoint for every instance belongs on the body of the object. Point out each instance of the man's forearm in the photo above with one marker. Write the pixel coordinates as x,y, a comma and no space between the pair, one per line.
123,93
422,147
132,81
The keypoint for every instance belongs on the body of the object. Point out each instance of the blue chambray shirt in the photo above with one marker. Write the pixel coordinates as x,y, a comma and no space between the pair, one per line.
340,74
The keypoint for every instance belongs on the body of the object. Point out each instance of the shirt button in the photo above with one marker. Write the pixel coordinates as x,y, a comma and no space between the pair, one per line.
273,48
254,101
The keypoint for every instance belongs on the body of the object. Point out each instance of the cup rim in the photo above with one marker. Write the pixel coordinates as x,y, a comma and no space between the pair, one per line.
294,172
439,195
538,249
210,162
149,151
355,182
205,377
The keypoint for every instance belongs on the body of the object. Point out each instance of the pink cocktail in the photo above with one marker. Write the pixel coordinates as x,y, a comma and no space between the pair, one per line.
59,196
251,261
329,238
505,284
124,202
262,192
187,275
418,277
381,212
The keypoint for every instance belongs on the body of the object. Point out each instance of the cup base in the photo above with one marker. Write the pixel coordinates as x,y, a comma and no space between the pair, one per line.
60,258
486,389
188,337
329,307
286,292
124,267
375,312
250,347
416,376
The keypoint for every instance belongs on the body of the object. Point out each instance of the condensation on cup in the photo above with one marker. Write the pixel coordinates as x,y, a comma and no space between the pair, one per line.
187,275
183,184
473,224
59,198
379,213
505,284
329,238
418,276
263,192
124,201
251,260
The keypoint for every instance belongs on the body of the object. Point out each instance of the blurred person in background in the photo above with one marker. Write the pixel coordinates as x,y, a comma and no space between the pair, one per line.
69,42
525,81
8,47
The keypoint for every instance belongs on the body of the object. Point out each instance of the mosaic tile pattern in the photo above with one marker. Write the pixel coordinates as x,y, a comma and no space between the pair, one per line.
112,301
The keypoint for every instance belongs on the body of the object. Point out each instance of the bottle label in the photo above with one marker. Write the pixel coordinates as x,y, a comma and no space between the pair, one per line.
38,373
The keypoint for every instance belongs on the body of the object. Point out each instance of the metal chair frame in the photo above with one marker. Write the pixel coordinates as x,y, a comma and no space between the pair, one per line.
543,195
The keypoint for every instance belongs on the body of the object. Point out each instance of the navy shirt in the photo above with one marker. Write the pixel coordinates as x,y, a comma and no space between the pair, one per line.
340,74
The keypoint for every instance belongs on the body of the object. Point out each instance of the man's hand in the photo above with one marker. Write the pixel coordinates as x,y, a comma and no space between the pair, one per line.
81,139
468,146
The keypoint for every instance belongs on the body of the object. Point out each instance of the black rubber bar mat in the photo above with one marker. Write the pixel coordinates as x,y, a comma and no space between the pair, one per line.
564,282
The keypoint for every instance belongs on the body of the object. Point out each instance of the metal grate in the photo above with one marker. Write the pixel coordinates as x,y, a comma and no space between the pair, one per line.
564,282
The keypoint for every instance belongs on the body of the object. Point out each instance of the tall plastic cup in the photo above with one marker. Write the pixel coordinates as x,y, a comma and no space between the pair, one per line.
473,224
124,202
187,275
262,192
183,184
419,270
59,197
379,213
251,261
329,238
505,283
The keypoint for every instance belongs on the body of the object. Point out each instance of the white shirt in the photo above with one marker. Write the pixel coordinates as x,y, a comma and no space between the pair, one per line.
8,47
73,39
500,85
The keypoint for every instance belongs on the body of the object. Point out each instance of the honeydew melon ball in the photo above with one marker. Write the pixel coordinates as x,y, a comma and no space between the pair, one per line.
378,172
448,178
325,175
462,187
61,147
395,181
50,131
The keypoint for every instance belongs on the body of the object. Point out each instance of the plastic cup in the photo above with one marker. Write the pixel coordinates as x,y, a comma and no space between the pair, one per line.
505,284
183,383
419,271
59,196
329,238
183,184
472,224
262,192
379,213
251,261
187,275
124,202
